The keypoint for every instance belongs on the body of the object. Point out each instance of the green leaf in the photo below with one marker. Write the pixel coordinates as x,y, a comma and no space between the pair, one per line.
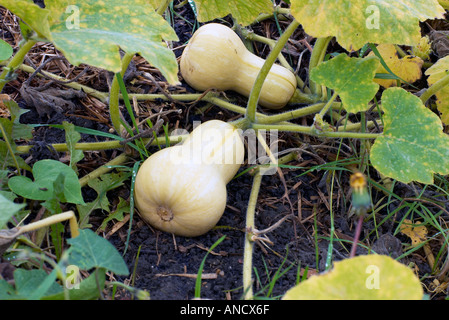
45,173
33,15
13,127
84,32
357,22
101,185
351,78
89,250
33,283
243,11
7,210
92,31
7,160
413,146
369,277
122,207
89,288
5,50
72,137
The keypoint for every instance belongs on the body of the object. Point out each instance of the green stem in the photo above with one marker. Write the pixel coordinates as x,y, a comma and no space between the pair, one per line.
249,243
300,96
114,107
277,11
310,131
103,169
318,54
96,146
10,148
257,87
270,42
328,104
15,62
294,114
102,96
163,7
437,86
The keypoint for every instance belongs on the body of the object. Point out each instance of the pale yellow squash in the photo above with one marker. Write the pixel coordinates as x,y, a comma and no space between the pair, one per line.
182,189
216,58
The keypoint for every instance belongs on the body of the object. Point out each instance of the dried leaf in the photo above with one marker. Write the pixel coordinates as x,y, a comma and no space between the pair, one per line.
50,100
417,234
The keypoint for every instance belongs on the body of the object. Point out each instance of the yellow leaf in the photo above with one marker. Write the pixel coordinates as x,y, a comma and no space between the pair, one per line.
423,48
436,72
416,233
407,68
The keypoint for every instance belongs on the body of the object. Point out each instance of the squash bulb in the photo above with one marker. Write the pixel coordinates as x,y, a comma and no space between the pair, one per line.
216,58
182,189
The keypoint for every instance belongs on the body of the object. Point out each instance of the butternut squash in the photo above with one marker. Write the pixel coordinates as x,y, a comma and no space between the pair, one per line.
182,189
216,58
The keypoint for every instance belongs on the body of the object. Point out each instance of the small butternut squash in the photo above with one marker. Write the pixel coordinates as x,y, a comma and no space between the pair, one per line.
216,58
182,189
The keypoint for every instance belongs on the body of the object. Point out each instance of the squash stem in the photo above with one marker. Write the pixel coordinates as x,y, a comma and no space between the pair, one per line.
103,169
437,86
328,105
311,131
114,107
257,87
318,54
249,243
69,215
10,149
105,145
163,7
15,62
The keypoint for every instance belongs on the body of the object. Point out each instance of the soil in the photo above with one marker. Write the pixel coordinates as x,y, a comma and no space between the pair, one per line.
165,265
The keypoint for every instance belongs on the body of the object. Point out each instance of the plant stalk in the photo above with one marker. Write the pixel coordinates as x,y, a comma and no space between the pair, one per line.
310,131
318,54
114,107
69,215
433,89
16,61
96,146
249,243
257,87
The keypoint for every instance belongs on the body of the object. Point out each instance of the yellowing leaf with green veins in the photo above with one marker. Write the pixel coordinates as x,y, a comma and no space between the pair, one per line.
413,145
368,277
92,31
407,68
436,72
351,78
357,22
104,26
243,11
